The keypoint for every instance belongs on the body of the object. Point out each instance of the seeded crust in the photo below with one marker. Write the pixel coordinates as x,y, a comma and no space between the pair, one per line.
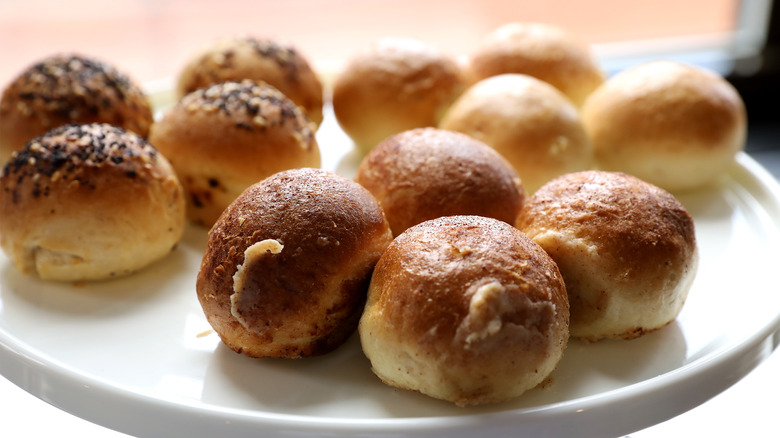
226,137
393,86
427,173
259,59
540,50
465,309
626,249
88,202
288,263
69,88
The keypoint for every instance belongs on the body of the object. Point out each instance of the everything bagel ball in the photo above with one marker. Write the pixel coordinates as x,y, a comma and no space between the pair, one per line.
88,202
69,88
280,65
224,138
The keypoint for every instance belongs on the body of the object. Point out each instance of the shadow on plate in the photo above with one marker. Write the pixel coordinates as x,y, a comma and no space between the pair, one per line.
341,384
107,297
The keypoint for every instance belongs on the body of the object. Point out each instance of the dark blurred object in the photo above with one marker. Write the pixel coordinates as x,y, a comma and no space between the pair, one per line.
760,87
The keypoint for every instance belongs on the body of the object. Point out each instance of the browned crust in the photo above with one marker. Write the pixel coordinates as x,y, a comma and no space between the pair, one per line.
259,59
542,51
664,105
427,173
674,125
307,299
643,236
393,86
67,88
530,123
421,305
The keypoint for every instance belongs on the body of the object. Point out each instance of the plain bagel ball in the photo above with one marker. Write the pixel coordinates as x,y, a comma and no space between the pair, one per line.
530,123
626,249
395,85
670,124
88,202
465,309
224,138
288,263
427,173
280,65
69,88
543,51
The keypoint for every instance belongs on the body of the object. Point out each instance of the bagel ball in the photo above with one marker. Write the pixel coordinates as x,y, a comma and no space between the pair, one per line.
465,309
543,51
427,173
395,85
670,124
626,249
69,88
88,202
288,264
224,138
281,65
535,127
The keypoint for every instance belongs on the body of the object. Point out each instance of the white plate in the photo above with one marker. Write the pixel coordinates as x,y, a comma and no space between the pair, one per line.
137,355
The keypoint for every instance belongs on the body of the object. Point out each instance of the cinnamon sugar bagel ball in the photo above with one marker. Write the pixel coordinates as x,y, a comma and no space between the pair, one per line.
281,65
88,202
543,51
288,263
395,85
535,127
226,137
427,173
670,124
626,249
69,88
465,309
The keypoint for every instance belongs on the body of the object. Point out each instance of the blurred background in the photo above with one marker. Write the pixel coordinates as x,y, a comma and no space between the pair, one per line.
151,39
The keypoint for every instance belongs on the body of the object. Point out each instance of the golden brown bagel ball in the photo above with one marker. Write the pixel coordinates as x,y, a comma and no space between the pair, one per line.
527,121
69,88
626,249
258,59
673,125
226,137
543,51
88,202
393,86
465,309
427,173
288,264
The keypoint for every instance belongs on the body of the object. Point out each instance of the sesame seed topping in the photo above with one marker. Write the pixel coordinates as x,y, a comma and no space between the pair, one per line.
251,106
65,153
74,87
